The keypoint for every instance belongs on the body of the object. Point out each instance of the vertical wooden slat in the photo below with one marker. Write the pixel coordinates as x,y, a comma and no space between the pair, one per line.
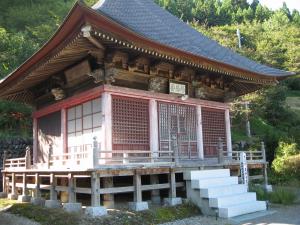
35,140
199,134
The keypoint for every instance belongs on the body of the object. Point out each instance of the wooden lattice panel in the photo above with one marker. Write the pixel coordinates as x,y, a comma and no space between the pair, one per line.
130,124
179,120
213,125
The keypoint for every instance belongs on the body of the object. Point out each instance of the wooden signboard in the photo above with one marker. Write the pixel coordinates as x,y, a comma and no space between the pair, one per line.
178,87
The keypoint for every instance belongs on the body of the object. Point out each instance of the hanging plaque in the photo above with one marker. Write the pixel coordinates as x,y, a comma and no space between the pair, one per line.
176,87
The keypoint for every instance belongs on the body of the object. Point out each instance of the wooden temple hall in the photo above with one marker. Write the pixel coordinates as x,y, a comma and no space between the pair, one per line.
127,99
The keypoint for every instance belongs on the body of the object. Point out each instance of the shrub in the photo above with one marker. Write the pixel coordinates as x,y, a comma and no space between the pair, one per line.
286,164
282,196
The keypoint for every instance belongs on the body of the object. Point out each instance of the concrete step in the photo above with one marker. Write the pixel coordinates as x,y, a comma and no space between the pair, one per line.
204,174
240,209
214,182
214,192
226,201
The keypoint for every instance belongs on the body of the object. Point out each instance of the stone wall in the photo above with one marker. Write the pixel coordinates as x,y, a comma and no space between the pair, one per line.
15,148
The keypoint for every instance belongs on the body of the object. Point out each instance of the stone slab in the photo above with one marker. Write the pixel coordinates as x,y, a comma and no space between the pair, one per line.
37,201
156,199
72,207
54,204
24,198
3,195
138,206
172,201
95,211
12,197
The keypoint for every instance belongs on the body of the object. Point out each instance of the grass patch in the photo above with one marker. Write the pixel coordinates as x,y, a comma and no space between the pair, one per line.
43,215
279,196
5,202
115,217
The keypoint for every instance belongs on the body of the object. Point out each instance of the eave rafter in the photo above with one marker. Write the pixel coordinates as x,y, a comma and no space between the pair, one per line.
104,36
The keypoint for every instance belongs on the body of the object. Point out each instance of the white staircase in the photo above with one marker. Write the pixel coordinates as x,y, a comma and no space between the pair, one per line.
215,191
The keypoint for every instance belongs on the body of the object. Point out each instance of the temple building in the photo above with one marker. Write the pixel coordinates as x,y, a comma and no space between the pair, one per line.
132,103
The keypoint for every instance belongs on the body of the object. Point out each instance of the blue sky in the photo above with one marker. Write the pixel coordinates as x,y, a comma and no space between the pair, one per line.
276,4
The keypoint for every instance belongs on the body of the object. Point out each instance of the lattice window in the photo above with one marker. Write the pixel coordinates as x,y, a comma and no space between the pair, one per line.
130,124
181,121
213,125
84,122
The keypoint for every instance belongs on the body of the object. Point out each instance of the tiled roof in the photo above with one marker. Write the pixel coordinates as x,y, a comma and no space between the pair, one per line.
146,18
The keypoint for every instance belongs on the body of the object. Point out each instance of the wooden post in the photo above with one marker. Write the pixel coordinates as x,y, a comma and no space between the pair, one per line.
50,151
199,133
137,185
24,186
71,188
106,139
263,151
153,120
95,154
4,188
228,133
95,189
64,130
37,191
265,165
35,139
13,184
27,158
108,199
53,183
155,194
220,151
172,180
174,145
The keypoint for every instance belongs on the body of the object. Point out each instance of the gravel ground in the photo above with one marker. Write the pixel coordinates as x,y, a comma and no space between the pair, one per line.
10,219
199,220
284,215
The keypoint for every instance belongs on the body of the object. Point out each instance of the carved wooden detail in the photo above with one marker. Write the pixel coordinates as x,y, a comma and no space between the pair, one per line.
163,69
58,93
119,59
185,74
98,75
158,84
141,64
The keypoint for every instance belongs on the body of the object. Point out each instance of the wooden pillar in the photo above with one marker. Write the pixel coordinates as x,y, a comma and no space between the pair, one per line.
35,140
37,190
153,119
71,188
53,183
155,194
4,188
24,186
199,133
108,199
64,130
106,128
172,181
13,184
228,132
137,185
95,189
